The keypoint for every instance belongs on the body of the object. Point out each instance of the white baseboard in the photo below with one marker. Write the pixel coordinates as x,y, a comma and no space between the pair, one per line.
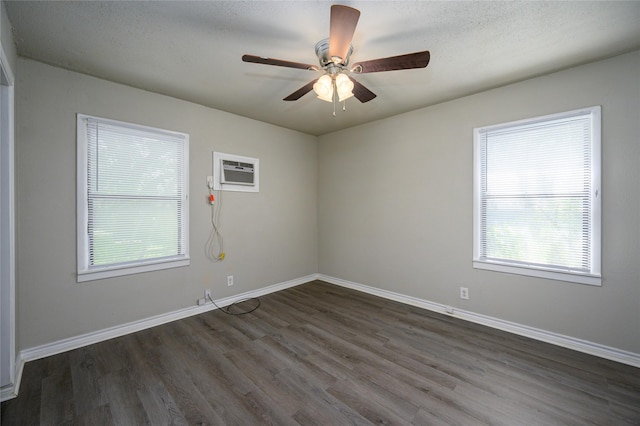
64,345
7,392
11,390
132,327
75,342
602,351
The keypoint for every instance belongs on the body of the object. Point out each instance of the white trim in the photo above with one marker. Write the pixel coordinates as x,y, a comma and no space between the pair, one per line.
8,194
75,342
591,348
64,345
71,343
88,273
593,277
117,271
533,271
398,297
11,391
7,393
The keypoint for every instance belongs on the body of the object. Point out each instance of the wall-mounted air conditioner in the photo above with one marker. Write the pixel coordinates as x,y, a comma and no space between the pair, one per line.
235,173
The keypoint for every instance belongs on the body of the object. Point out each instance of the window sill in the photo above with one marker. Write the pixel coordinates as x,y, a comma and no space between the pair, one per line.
118,271
595,280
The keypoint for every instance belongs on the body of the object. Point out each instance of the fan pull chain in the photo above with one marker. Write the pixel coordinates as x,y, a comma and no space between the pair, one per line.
335,96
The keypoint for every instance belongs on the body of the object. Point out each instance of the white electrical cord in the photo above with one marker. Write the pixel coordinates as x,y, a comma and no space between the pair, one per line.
215,237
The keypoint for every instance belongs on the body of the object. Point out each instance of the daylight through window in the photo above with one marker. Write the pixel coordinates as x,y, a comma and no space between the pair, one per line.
132,198
537,197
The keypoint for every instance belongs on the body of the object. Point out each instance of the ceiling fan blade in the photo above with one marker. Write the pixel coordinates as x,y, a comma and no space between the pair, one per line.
343,24
400,62
360,92
278,62
301,91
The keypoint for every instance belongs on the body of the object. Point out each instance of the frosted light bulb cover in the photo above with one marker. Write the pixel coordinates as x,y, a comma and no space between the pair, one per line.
324,88
344,87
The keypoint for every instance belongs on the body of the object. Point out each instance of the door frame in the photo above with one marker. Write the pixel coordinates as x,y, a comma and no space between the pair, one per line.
7,231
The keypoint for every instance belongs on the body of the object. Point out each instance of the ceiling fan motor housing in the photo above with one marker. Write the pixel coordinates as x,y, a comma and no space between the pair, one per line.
322,51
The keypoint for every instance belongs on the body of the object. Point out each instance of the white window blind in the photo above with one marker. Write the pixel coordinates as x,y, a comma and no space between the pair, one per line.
537,196
133,198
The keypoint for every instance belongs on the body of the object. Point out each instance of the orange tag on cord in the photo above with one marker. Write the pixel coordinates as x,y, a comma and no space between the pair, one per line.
211,198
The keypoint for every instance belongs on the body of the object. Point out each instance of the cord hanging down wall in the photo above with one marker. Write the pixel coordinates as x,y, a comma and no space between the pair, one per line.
230,173
215,244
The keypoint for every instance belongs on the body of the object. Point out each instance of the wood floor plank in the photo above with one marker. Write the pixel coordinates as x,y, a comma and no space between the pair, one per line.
126,408
289,400
99,416
85,378
300,364
443,416
160,406
57,405
320,354
362,401
318,407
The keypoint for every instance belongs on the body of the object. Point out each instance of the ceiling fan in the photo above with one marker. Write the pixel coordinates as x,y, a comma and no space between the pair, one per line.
334,53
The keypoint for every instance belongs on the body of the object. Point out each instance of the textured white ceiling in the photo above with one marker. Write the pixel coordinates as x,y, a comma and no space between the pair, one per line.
192,50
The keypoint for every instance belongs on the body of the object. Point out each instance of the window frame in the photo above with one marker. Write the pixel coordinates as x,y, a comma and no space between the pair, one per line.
593,277
85,272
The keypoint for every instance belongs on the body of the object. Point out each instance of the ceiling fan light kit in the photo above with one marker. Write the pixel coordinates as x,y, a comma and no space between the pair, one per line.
333,56
331,84
344,87
324,88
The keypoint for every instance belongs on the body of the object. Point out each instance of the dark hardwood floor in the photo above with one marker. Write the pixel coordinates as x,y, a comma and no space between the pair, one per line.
322,354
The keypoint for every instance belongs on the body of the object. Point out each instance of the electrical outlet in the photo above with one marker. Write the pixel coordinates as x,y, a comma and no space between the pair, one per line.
210,182
464,293
230,280
207,295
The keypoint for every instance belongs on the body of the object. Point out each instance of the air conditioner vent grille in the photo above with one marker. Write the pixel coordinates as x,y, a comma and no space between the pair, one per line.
237,172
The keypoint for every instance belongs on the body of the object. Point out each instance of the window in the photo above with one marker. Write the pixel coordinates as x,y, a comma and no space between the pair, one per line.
537,197
133,206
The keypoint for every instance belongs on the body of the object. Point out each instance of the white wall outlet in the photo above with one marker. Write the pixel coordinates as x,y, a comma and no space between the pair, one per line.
207,295
210,182
464,293
230,280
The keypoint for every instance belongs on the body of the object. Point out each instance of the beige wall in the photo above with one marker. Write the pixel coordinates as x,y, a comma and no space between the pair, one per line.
387,204
270,237
395,205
